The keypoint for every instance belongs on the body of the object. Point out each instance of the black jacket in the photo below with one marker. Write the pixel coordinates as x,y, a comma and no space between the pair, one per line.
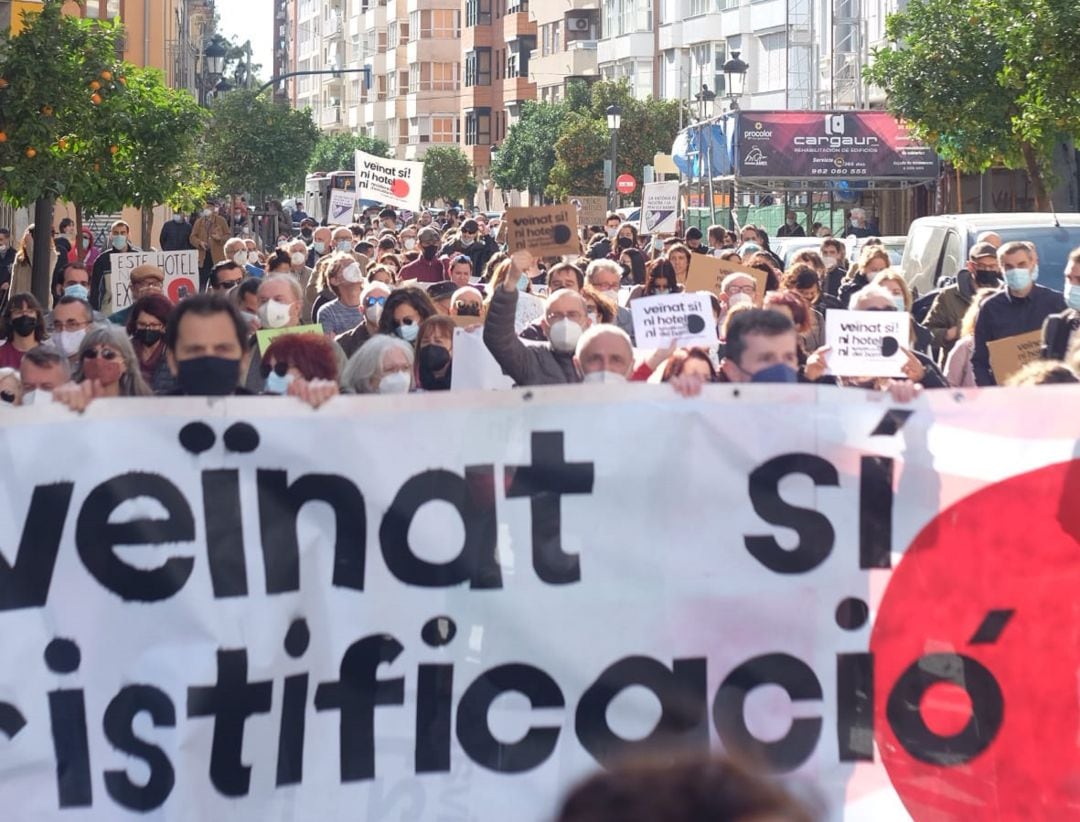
1005,315
175,236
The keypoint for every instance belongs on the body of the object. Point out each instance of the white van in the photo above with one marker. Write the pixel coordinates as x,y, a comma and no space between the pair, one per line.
938,246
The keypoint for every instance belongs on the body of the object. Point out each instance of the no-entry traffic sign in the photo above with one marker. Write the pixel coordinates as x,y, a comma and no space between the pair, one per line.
625,184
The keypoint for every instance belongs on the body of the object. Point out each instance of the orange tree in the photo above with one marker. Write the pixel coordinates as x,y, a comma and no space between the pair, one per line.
78,123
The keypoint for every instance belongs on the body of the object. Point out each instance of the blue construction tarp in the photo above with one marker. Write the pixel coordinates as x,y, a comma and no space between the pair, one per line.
704,147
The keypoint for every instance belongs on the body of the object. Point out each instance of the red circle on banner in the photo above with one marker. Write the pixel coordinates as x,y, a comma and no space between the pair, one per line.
181,287
399,188
625,184
1011,547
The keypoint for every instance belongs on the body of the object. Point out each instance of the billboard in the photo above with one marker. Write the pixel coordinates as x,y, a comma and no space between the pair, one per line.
830,145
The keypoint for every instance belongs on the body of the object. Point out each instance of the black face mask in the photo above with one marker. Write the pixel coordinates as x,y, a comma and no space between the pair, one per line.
429,252
208,376
149,337
306,233
434,358
24,326
986,278
624,243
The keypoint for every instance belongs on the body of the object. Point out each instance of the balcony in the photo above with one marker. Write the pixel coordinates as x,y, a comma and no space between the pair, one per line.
517,88
518,25
330,116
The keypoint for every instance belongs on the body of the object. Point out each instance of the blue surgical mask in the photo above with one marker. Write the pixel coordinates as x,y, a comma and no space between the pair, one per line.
77,290
780,372
344,246
276,384
319,246
899,302
1020,278
523,283
1072,296
119,242
408,332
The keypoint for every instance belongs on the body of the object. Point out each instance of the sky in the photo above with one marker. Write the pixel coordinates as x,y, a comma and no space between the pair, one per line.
250,20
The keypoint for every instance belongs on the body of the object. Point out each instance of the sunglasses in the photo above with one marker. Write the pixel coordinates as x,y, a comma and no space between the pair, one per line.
8,397
106,354
370,301
280,368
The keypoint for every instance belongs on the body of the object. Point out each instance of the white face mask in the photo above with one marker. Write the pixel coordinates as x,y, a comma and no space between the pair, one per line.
253,257
739,299
240,258
373,313
352,274
611,232
564,335
298,258
38,396
830,262
274,314
397,383
409,243
71,340
604,377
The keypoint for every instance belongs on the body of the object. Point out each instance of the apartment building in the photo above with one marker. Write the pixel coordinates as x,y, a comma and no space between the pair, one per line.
497,43
567,32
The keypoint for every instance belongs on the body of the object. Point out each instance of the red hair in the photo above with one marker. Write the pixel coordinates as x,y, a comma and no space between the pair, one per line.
312,354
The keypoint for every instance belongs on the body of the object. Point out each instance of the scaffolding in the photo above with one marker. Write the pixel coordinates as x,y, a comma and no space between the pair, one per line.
800,55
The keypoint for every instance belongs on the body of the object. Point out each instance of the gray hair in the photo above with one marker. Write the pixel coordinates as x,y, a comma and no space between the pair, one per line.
285,277
371,288
132,383
596,266
363,367
47,355
871,290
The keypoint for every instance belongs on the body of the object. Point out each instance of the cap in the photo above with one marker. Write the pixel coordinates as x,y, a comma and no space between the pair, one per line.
442,291
693,233
147,272
982,250
428,236
470,226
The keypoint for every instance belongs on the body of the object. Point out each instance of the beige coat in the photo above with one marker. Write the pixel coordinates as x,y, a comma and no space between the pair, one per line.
212,231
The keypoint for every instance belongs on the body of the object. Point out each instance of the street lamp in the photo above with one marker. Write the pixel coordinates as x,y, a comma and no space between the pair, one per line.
213,67
706,95
735,77
614,119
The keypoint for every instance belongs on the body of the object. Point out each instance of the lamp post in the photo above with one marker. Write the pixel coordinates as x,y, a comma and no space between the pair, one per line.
213,67
614,120
705,97
735,77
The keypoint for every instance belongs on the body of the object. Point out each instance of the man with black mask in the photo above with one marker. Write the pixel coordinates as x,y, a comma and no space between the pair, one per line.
952,302
426,268
434,353
206,346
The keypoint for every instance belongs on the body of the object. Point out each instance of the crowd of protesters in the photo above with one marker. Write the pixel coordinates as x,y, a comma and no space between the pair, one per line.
373,306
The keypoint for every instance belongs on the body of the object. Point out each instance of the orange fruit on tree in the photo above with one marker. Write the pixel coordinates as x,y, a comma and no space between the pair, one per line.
113,149
3,83
62,144
97,166
95,99
3,136
106,75
122,80
95,85
47,111
31,153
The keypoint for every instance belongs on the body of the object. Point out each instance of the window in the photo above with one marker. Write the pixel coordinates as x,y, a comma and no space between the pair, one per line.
443,128
707,62
699,7
419,130
392,34
478,67
433,77
478,127
445,23
773,69
477,12
513,6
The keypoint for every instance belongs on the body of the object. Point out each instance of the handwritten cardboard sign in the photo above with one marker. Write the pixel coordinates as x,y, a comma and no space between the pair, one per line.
590,210
1009,354
546,231
867,343
686,319
707,272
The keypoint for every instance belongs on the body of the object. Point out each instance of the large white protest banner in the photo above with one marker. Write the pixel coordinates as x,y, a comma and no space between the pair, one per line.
181,274
659,208
456,605
390,182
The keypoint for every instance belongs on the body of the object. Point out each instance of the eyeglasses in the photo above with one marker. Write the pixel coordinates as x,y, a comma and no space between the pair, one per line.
106,354
8,397
573,316
227,284
148,327
879,308
370,301
70,325
741,289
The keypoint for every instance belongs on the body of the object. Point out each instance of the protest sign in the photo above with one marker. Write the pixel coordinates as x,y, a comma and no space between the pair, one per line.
265,336
590,210
474,367
390,182
685,318
255,611
659,208
1009,354
342,206
867,343
546,231
707,272
530,308
181,274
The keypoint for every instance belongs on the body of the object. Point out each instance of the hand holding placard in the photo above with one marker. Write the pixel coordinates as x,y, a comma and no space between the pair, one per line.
547,231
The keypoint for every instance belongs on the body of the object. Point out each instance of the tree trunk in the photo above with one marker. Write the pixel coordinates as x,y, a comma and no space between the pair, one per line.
80,252
41,278
147,227
1035,174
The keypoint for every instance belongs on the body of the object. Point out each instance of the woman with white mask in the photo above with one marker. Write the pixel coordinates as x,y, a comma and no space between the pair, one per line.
384,365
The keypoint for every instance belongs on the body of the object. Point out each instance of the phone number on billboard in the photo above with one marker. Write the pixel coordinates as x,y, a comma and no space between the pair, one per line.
836,172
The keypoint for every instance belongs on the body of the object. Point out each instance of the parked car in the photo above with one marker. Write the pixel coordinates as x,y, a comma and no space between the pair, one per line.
894,244
938,246
787,247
